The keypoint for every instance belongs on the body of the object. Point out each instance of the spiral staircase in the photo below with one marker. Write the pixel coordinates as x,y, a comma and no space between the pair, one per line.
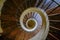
12,11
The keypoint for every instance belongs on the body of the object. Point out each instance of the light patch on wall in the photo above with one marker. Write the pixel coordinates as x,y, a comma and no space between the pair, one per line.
1,4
